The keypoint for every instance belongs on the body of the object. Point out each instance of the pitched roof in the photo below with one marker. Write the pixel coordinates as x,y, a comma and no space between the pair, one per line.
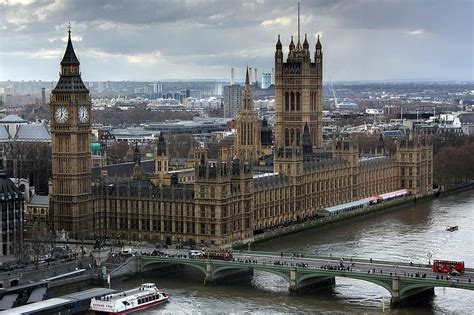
69,56
33,133
39,200
12,119
4,135
124,169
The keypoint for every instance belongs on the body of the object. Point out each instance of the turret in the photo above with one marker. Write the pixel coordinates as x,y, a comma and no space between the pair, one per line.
305,43
292,44
136,154
161,146
278,44
318,54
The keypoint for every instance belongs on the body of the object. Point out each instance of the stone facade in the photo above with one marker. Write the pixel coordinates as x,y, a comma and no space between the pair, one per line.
226,202
70,197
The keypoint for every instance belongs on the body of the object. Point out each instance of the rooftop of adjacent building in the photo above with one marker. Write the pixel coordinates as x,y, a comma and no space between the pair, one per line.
39,200
23,131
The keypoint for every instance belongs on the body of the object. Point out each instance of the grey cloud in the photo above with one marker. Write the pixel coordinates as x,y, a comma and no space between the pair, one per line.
195,33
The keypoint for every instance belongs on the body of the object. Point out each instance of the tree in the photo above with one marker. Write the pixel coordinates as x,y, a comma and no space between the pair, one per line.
454,164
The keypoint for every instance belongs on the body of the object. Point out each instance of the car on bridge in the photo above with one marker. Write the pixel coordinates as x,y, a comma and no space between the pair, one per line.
195,253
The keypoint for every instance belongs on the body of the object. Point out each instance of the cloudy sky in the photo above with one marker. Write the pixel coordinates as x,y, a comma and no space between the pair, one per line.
202,39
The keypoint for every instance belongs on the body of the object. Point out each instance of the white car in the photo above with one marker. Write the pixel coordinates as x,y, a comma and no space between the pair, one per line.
195,254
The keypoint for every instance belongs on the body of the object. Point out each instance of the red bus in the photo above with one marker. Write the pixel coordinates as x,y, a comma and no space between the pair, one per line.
217,253
446,266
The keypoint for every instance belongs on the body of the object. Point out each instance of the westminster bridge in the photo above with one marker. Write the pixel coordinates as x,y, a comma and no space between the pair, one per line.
405,281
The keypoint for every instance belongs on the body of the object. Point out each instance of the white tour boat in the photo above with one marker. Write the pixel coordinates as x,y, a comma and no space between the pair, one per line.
146,295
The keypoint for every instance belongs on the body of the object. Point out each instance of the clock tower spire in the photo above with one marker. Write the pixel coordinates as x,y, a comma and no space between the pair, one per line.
70,192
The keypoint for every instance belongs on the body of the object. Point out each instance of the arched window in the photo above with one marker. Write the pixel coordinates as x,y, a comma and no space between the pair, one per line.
297,137
287,101
298,101
287,137
292,101
292,136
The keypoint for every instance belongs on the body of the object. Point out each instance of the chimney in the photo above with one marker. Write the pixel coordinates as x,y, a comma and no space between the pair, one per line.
43,96
231,76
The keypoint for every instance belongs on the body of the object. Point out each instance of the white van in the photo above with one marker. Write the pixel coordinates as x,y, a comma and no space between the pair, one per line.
195,254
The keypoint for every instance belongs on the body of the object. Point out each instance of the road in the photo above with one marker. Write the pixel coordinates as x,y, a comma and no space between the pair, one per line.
338,263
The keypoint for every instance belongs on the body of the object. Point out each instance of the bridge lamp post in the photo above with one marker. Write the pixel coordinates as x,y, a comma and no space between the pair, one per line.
429,258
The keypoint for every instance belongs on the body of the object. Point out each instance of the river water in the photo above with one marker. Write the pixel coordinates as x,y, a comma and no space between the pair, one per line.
405,234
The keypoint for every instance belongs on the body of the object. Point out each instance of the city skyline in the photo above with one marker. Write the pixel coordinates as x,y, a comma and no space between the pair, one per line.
148,41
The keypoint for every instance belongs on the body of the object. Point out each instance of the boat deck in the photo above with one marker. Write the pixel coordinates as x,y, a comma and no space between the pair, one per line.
136,292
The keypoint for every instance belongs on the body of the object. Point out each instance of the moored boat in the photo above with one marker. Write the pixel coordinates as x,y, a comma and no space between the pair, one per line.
452,228
145,296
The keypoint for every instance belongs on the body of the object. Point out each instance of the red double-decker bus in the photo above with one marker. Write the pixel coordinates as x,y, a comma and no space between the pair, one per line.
447,266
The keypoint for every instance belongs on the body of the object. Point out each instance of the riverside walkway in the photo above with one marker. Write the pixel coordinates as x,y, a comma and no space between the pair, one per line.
403,280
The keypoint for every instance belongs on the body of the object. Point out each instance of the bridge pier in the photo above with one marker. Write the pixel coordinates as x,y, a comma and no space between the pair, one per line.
208,279
408,297
308,285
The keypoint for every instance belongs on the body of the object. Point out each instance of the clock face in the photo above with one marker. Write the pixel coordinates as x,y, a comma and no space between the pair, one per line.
83,115
61,115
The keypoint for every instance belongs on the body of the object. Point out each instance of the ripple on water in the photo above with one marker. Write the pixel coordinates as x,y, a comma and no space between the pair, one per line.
406,234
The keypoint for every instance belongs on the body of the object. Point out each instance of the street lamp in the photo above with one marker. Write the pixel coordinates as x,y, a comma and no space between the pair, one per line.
429,258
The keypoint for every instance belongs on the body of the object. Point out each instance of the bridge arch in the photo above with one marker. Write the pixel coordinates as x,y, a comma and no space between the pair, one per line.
148,264
283,273
380,281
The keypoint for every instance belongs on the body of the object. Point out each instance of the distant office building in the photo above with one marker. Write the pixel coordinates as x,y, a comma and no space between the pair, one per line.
43,96
232,100
218,89
266,80
157,87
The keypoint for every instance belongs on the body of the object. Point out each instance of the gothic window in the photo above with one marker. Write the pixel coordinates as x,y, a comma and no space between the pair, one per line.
297,137
287,137
298,101
213,192
287,101
292,101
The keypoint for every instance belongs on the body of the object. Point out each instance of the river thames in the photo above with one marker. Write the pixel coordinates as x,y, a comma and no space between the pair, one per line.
405,234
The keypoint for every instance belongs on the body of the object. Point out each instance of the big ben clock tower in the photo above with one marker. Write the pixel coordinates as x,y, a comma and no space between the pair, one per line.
70,194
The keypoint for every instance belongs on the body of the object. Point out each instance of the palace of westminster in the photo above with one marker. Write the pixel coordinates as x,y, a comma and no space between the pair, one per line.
227,201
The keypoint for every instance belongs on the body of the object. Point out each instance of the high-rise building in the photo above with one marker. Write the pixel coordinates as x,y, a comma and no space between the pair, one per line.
157,87
232,100
218,88
266,80
70,194
43,96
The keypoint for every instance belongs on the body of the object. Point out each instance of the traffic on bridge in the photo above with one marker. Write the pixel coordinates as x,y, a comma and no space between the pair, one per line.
303,272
